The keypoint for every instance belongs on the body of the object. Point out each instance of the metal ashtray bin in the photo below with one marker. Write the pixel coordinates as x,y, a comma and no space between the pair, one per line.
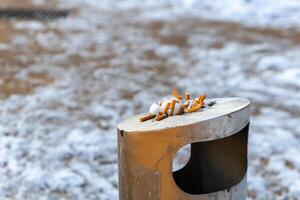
218,163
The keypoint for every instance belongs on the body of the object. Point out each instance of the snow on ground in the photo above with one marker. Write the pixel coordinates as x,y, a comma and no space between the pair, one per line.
282,13
110,60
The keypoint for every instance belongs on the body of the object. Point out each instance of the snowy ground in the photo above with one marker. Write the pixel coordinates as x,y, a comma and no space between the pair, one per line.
65,84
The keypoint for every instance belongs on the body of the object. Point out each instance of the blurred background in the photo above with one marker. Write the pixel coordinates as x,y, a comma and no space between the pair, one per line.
66,81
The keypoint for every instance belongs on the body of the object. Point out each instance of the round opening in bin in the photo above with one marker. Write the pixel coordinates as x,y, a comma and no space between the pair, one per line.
214,165
181,158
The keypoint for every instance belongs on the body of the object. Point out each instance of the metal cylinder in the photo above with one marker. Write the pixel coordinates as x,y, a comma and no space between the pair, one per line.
217,166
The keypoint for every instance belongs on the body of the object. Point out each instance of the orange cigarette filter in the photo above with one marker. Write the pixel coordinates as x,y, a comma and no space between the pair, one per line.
173,106
201,98
167,107
147,117
160,113
161,117
195,108
187,96
176,94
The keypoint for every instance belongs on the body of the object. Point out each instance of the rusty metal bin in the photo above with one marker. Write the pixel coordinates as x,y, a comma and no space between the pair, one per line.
217,166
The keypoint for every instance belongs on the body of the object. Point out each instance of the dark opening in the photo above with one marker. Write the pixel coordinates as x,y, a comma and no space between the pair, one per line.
214,165
38,14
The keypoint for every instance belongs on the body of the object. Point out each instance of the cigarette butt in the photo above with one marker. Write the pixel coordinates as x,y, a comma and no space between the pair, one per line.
147,117
176,94
180,111
160,102
161,117
167,107
187,96
201,103
201,98
192,109
173,106
185,106
192,104
160,113
195,102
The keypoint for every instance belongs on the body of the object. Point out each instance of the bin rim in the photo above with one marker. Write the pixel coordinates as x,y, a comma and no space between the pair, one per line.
223,107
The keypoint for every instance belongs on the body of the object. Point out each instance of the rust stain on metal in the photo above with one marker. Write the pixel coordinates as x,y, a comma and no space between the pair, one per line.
146,183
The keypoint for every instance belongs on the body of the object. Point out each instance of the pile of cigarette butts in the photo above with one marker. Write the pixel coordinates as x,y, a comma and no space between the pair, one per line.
176,106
